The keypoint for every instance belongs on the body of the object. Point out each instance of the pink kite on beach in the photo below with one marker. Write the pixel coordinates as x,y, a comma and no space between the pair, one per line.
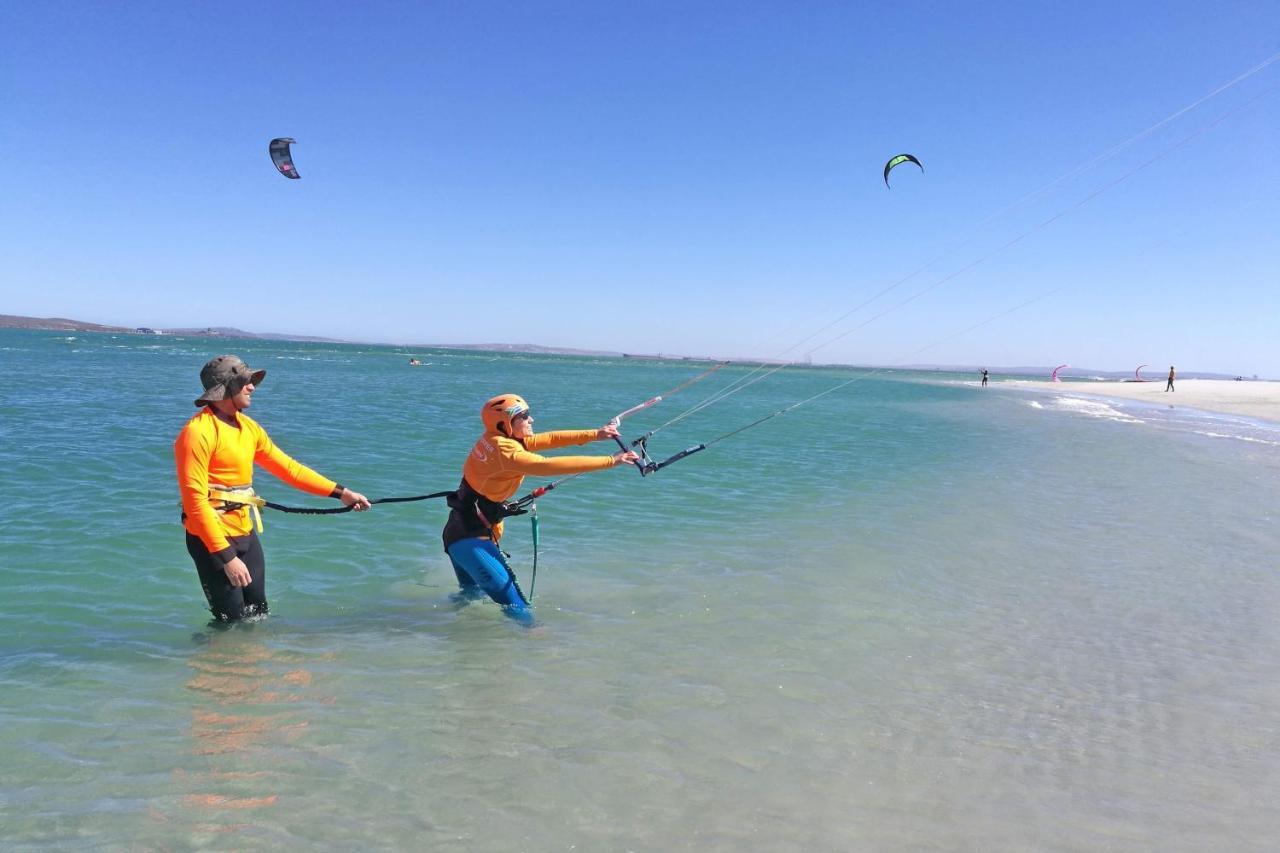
1137,373
1054,375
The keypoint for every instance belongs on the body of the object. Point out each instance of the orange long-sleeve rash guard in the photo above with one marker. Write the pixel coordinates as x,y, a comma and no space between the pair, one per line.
497,465
211,453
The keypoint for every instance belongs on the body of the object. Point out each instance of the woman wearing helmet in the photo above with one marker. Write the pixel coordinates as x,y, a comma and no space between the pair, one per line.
493,472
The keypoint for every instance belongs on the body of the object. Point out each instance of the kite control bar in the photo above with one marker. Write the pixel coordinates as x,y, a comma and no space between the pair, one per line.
648,465
641,464
688,451
645,464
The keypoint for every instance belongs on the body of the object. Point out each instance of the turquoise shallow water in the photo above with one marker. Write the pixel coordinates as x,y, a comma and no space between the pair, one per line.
914,615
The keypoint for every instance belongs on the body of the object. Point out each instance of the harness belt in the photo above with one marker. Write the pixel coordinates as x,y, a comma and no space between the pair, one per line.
233,498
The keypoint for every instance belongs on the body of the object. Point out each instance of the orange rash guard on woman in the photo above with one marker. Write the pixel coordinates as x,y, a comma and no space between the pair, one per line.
497,464
211,453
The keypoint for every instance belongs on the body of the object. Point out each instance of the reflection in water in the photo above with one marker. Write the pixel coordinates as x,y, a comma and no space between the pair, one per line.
239,727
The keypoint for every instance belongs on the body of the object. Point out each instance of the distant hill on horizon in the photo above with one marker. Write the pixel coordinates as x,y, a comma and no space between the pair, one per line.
63,324
55,324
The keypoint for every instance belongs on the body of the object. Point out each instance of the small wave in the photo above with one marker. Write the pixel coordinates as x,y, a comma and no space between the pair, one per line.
1249,438
1035,404
1095,409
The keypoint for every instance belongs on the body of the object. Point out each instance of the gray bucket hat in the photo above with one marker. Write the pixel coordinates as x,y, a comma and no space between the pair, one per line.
224,373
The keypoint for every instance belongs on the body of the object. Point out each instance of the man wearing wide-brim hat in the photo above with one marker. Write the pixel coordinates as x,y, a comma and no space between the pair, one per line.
215,453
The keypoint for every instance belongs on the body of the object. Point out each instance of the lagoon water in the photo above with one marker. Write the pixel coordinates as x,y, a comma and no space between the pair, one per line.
914,615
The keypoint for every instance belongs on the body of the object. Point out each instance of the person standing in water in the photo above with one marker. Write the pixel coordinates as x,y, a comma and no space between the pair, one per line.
984,377
215,453
1169,385
492,473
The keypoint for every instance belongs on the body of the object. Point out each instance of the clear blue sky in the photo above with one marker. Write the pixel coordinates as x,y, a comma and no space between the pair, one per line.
696,178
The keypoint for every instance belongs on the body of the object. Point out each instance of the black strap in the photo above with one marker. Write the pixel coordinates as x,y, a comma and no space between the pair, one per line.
307,510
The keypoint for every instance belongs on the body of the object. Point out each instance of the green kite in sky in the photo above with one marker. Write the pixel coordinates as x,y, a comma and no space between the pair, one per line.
897,161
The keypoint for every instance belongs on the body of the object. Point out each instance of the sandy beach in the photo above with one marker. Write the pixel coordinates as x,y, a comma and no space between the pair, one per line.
1250,399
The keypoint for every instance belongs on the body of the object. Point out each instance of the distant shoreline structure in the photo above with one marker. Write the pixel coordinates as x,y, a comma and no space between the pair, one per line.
662,357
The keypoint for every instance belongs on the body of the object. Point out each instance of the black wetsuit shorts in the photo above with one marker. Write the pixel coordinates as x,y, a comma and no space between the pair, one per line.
232,603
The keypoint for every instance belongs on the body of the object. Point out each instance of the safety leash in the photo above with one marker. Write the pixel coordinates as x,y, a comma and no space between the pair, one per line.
307,510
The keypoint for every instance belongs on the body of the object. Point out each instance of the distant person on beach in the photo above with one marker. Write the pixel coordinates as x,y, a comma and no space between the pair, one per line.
215,453
984,377
493,472
1169,385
